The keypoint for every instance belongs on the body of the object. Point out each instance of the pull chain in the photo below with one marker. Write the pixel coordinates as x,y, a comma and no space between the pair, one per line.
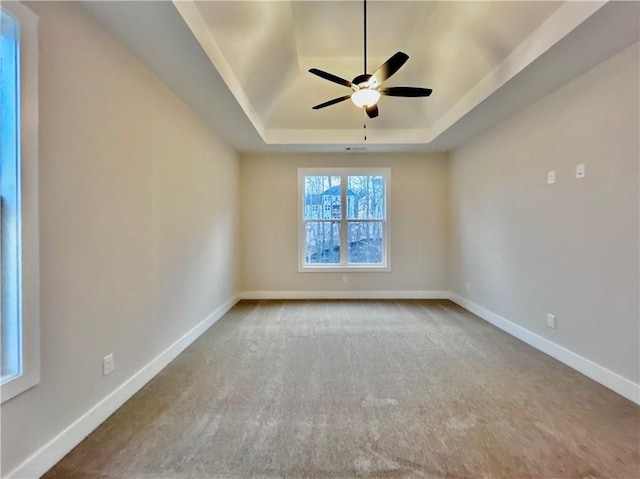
364,123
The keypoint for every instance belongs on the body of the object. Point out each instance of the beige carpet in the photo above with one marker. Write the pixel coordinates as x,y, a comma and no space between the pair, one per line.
347,389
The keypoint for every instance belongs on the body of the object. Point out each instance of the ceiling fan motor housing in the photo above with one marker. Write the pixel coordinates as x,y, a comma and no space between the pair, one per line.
362,81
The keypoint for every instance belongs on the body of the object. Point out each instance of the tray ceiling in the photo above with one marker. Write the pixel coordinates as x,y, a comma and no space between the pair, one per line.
477,56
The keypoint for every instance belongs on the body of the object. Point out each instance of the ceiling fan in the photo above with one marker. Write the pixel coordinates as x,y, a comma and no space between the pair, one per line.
366,87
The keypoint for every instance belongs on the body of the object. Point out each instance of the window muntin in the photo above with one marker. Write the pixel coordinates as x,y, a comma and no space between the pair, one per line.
343,219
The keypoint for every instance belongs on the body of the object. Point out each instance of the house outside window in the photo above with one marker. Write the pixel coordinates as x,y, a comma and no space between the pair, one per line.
343,219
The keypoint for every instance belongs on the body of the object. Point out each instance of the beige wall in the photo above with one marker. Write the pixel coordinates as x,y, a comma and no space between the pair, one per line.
268,224
141,221
138,204
527,248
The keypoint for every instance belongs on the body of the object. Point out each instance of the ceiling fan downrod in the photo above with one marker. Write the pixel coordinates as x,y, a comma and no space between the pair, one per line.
365,38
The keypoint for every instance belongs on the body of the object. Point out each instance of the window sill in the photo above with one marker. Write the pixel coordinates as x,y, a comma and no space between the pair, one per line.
16,385
344,269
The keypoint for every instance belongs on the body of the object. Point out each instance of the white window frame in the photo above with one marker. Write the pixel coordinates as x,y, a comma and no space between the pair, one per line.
29,368
343,173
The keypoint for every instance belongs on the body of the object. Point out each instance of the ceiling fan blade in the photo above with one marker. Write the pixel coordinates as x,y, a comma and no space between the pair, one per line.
407,91
372,111
332,102
389,67
330,77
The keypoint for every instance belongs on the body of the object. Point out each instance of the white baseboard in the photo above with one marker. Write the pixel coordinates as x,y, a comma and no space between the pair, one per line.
600,374
48,455
345,294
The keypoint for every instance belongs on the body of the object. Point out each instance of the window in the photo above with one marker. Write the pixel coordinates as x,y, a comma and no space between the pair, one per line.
19,299
343,217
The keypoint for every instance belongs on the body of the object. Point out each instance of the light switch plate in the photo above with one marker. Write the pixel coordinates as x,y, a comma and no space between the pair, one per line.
551,177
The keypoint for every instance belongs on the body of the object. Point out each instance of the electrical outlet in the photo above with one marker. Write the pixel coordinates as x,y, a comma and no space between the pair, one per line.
345,279
551,320
580,170
108,364
551,177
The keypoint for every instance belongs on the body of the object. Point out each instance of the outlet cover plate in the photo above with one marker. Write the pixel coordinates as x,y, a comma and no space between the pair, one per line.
551,177
108,365
551,320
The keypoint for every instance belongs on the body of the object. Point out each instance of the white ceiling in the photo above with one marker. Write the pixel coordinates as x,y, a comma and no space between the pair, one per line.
243,65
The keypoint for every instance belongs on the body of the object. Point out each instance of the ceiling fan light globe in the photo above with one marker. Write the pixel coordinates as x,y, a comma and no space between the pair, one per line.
365,97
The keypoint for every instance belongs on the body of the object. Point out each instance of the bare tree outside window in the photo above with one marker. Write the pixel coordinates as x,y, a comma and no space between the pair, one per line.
344,218
322,197
366,237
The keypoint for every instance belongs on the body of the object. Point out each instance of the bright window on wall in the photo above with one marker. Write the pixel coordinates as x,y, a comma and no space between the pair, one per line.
19,306
343,219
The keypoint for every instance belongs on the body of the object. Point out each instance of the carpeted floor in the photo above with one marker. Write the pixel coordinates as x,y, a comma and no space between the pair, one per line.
349,389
